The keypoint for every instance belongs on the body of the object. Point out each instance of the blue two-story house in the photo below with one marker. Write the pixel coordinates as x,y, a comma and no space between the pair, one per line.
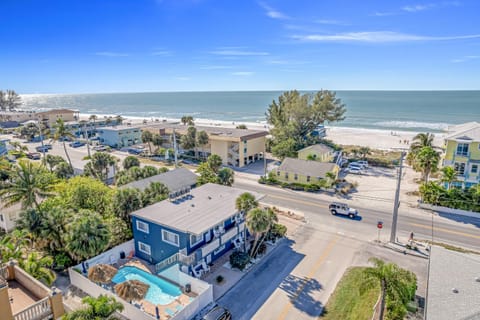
193,231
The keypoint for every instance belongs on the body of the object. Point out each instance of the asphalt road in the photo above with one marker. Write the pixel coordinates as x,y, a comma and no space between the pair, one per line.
452,229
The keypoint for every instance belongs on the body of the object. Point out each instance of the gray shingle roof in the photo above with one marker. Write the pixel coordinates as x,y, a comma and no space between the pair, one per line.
174,180
321,148
448,270
306,167
206,206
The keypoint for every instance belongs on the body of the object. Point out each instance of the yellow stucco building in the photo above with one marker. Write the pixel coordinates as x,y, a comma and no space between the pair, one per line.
236,147
304,171
317,152
462,153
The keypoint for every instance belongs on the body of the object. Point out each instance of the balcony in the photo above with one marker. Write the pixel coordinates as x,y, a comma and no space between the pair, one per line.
465,154
26,298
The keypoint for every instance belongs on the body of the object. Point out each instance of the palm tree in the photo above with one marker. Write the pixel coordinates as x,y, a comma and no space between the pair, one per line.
225,177
246,202
119,120
187,120
93,118
397,285
83,124
422,140
147,138
125,201
426,160
14,245
364,151
102,307
37,267
449,176
53,227
214,161
28,183
99,165
202,139
62,134
86,236
258,222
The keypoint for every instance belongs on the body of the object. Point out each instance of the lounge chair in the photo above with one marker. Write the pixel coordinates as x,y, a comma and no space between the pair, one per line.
170,312
131,254
113,260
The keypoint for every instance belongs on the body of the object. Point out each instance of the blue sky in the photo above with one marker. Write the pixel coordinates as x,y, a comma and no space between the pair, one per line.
68,46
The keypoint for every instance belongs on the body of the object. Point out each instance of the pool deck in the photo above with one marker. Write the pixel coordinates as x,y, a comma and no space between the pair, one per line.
165,311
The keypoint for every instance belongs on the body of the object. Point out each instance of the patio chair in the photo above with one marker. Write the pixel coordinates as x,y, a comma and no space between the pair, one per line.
197,273
205,266
131,254
170,312
113,260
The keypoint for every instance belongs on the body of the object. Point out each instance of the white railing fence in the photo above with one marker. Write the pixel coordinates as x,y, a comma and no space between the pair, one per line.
38,311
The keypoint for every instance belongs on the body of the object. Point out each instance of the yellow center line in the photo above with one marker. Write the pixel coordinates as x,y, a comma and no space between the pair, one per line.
310,203
312,272
429,227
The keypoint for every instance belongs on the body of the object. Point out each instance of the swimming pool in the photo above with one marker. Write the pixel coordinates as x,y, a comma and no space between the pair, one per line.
160,291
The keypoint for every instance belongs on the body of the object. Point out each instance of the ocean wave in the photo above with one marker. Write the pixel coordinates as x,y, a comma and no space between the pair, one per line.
413,124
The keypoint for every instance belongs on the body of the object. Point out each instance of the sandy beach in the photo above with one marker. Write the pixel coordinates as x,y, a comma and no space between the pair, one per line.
372,138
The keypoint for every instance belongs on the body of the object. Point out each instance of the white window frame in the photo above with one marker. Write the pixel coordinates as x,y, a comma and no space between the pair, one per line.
146,230
199,239
164,239
147,248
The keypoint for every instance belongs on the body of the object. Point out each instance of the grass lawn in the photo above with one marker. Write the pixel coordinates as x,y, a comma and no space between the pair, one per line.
346,301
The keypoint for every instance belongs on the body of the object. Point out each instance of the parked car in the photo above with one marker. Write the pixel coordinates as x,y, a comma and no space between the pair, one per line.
42,149
101,148
359,164
342,209
364,163
218,313
76,144
33,155
354,170
48,146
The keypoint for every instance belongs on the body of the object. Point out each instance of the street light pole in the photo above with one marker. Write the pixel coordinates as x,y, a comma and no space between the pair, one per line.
393,234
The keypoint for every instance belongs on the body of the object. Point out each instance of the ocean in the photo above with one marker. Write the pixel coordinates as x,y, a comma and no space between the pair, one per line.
386,110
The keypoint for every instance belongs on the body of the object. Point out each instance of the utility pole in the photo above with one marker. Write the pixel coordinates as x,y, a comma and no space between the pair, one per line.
175,147
265,158
393,234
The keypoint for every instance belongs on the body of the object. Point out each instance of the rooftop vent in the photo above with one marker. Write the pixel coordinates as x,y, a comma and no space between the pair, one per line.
209,198
477,279
192,205
454,290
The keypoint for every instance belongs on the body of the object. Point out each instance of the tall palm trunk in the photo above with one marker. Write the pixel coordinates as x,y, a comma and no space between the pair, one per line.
85,134
66,154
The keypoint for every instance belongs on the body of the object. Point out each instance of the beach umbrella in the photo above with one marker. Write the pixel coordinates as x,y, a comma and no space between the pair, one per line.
131,290
101,273
157,312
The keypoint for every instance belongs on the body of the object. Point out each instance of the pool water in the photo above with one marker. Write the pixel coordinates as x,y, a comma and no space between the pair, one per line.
160,291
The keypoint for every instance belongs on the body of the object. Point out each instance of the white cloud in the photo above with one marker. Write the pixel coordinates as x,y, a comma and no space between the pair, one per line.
215,67
428,6
161,53
242,73
465,59
332,22
272,13
238,51
378,37
383,14
111,54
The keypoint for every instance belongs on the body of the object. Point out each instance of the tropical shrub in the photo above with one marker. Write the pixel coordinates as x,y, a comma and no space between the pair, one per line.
239,260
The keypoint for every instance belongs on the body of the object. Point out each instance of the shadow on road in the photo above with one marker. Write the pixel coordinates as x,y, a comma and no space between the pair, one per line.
250,293
462,219
300,292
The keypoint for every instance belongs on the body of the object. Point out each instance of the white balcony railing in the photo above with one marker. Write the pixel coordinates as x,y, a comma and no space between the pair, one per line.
38,311
229,235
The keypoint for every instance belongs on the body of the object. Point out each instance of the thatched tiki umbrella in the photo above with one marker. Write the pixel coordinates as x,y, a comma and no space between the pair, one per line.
101,273
131,290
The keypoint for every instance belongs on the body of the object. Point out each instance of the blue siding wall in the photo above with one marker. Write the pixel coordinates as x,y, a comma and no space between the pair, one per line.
160,250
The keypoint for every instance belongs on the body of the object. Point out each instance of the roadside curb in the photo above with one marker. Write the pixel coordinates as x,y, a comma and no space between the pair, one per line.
256,265
398,248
